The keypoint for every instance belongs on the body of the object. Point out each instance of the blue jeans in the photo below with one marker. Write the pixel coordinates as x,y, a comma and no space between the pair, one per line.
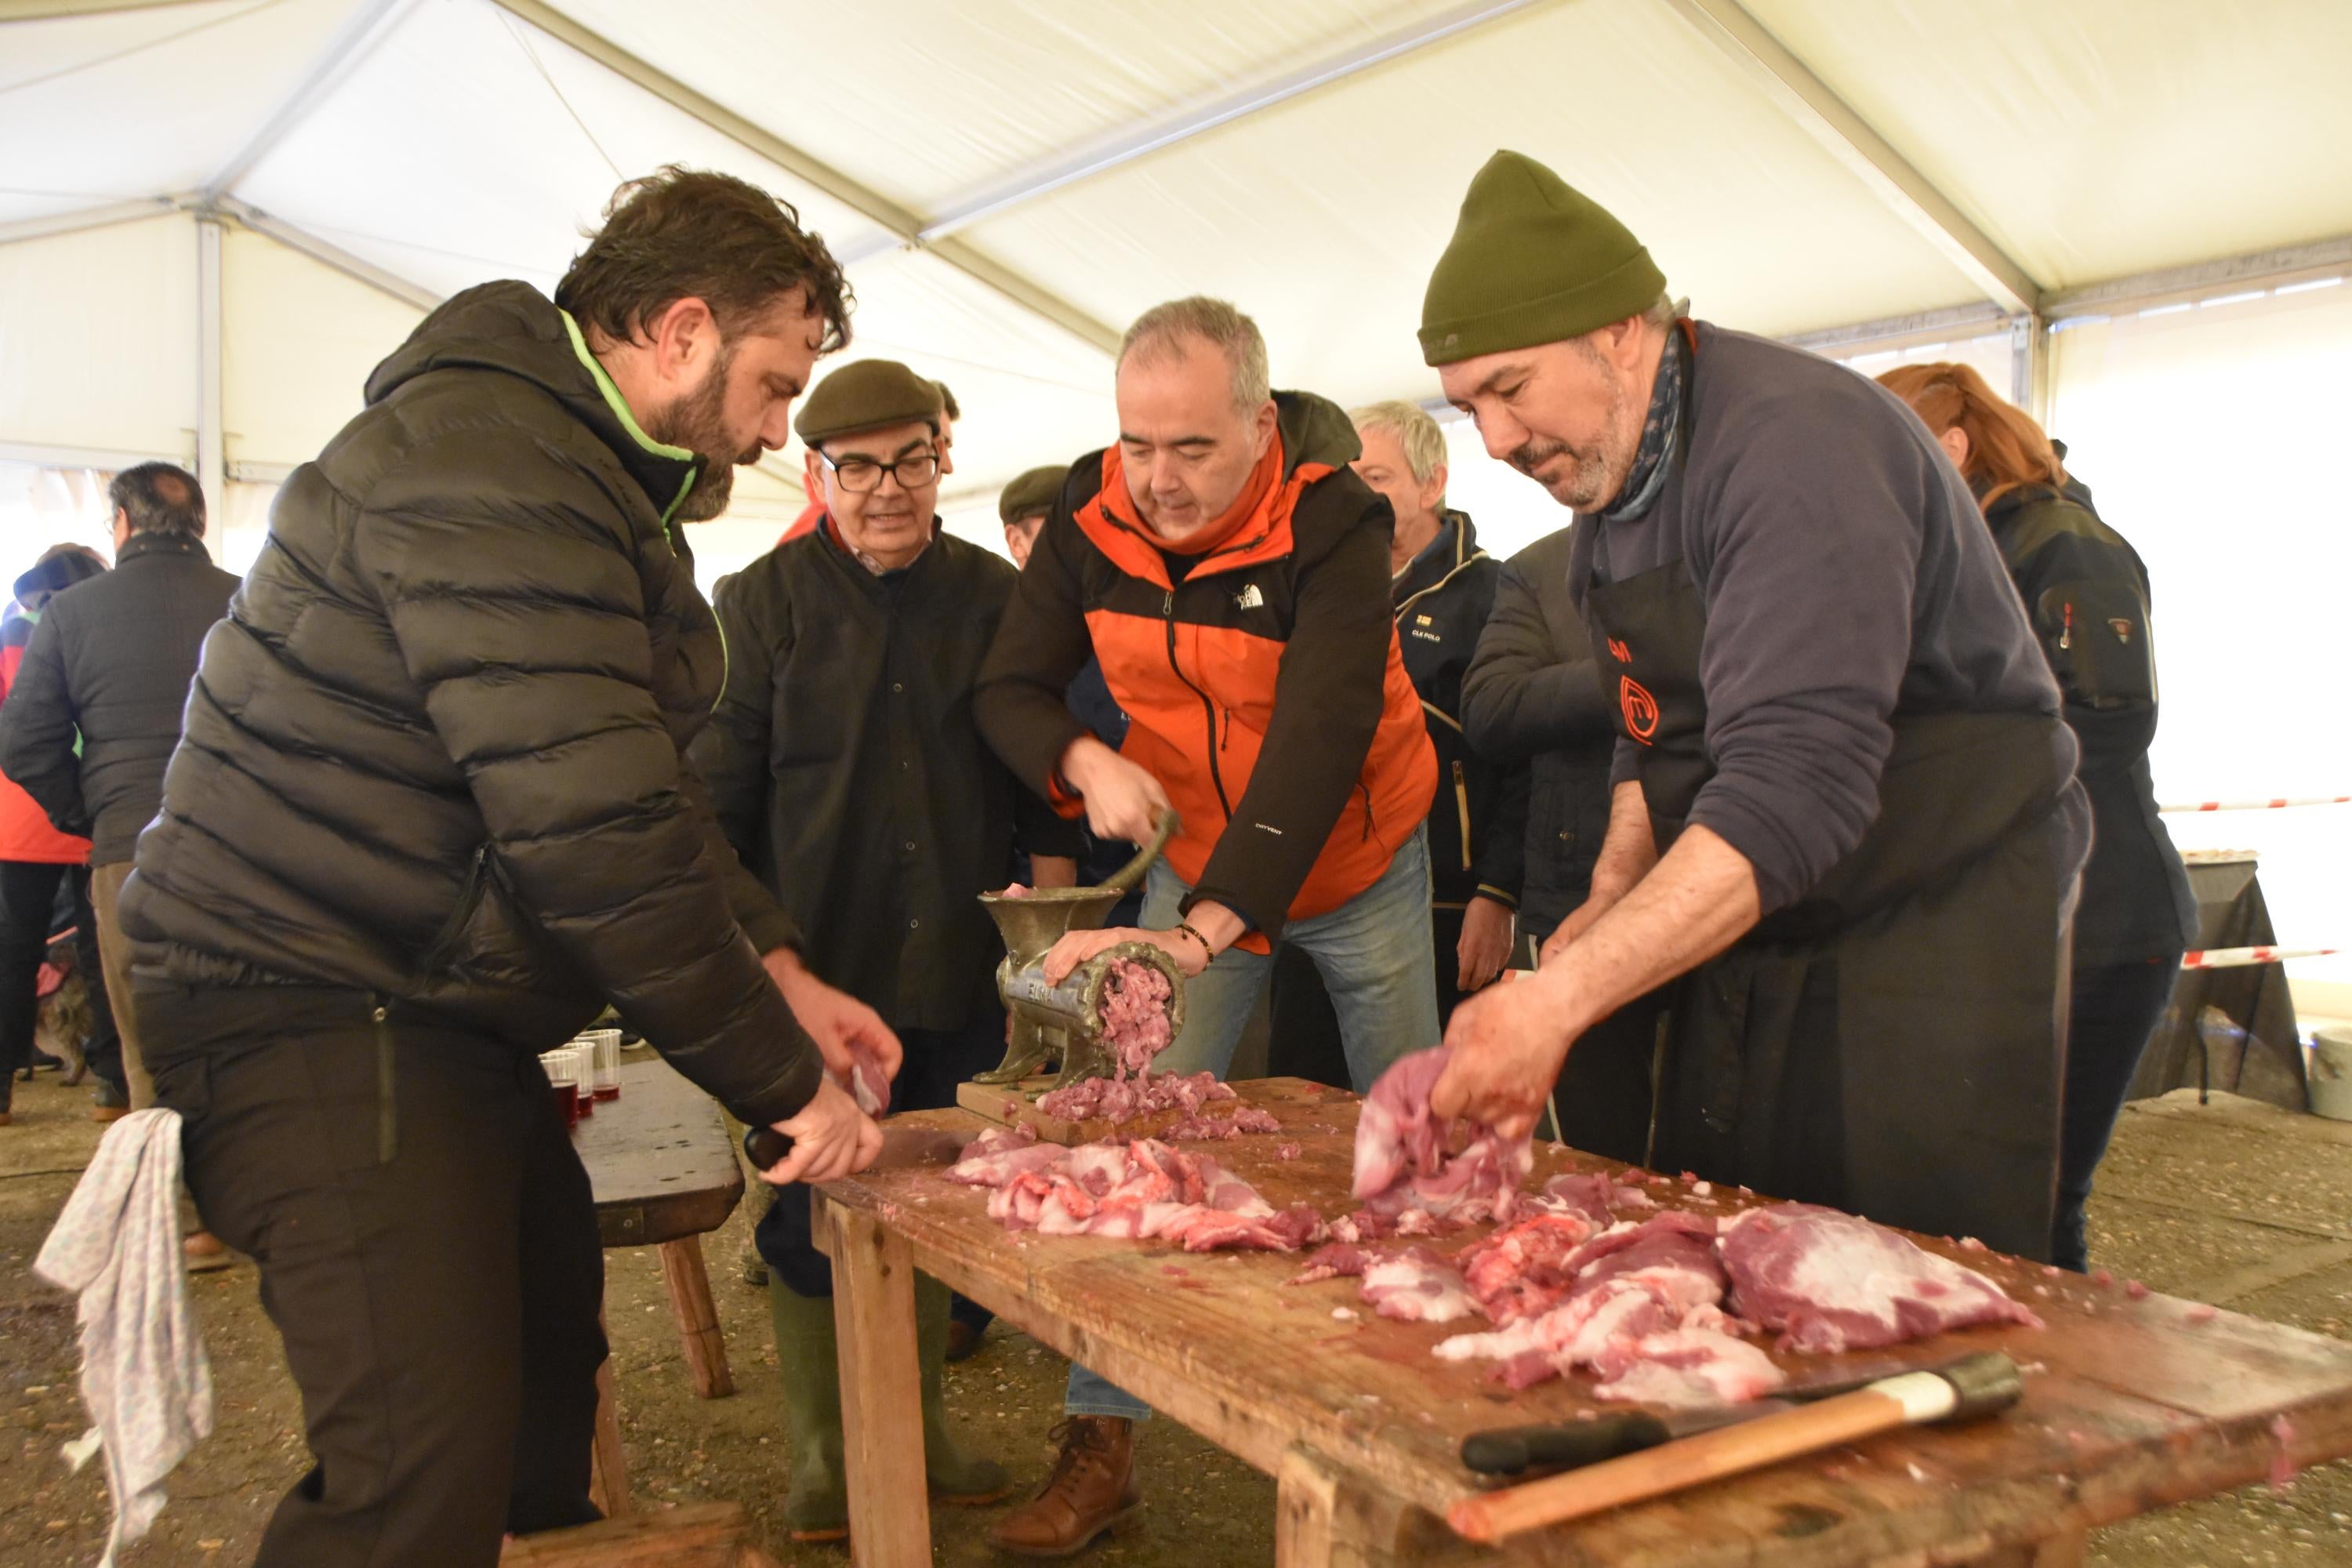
1374,954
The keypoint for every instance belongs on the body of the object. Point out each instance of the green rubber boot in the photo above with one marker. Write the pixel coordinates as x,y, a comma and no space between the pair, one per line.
817,1507
958,1477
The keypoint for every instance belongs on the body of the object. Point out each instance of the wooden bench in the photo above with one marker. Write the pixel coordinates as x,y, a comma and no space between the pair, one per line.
2130,1404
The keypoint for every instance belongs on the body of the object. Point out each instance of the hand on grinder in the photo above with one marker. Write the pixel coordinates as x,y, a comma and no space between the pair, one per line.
831,1138
1123,800
1218,926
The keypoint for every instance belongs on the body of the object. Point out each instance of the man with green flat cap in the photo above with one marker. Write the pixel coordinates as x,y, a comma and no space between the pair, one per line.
1844,809
848,775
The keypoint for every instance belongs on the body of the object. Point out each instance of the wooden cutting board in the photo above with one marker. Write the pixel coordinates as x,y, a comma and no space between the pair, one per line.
1015,1105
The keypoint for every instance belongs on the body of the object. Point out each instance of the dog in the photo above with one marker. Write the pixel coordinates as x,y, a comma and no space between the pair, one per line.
64,1022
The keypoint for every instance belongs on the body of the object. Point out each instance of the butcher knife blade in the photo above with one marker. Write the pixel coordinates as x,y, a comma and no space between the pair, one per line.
902,1148
1509,1453
1975,1385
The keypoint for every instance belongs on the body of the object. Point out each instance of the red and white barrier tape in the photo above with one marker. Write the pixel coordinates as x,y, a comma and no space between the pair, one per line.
2246,957
2280,804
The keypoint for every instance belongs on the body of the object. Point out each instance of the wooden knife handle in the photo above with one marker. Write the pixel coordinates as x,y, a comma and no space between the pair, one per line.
1671,1467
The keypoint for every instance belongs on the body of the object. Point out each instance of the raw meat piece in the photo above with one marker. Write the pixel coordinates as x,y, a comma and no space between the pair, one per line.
1332,1261
1124,1100
1200,1128
868,1085
1014,891
1522,1271
1418,1286
1673,1250
1400,1160
1135,1026
1833,1282
1285,1151
1362,1225
1588,1195
1132,1191
1688,1369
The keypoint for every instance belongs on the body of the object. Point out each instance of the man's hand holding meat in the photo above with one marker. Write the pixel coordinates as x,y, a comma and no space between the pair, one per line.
835,1021
831,1137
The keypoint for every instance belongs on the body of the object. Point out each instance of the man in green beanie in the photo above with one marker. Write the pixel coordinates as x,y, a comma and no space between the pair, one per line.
847,772
1843,805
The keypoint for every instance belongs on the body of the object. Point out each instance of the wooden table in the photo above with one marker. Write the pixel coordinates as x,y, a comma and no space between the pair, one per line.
663,1170
2129,1405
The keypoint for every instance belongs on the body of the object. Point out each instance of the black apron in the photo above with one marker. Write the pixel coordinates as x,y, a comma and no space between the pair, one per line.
1891,1044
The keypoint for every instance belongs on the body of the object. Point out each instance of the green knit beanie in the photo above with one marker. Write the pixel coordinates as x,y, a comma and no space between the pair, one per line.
1532,260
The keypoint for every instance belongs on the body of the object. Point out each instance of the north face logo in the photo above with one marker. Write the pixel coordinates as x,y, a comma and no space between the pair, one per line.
1249,598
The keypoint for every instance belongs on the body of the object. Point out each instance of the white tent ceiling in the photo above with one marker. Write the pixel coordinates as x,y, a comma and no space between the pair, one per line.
1012,180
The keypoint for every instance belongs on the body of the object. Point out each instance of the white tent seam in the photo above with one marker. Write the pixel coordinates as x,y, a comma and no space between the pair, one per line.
367,24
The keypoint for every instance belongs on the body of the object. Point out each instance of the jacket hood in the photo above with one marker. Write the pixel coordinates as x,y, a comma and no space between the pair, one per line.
1314,430
514,330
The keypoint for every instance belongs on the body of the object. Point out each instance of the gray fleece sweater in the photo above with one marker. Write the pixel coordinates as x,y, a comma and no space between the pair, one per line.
1846,572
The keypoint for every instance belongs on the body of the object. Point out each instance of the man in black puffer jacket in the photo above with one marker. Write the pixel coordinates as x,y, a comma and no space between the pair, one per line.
431,813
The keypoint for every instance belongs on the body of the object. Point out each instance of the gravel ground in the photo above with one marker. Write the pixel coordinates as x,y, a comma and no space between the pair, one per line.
2231,1204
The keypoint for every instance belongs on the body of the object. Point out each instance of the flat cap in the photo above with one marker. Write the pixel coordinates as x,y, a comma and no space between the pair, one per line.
1532,260
871,395
1035,490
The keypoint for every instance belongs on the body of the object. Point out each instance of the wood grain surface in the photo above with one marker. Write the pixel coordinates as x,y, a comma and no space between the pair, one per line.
659,1160
2130,1404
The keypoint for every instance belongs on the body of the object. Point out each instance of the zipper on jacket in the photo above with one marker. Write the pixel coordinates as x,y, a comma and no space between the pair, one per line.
1462,802
1208,708
470,897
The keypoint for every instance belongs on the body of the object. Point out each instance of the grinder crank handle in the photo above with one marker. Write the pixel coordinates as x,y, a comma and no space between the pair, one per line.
1128,875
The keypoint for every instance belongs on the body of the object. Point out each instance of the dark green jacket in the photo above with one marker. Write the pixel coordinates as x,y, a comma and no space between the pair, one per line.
436,750
1478,826
850,775
2086,593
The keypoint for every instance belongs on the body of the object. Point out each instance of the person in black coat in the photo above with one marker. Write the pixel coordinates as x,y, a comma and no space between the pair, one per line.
94,712
432,814
1533,695
847,772
2086,592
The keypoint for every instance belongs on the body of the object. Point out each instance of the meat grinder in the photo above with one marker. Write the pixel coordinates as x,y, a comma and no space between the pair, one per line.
1065,1021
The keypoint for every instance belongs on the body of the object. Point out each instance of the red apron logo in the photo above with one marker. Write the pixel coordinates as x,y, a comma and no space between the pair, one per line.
1640,708
1618,651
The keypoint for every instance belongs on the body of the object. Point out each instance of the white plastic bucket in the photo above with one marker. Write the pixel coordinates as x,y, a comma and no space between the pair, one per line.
2331,1072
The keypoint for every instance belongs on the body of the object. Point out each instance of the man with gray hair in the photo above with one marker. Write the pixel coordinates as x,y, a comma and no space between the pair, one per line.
94,710
1227,568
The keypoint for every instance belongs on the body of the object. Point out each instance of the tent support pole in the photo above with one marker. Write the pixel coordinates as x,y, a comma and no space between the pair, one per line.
360,31
2029,365
212,448
1791,85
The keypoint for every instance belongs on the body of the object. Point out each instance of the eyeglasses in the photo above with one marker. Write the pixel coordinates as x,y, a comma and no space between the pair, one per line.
860,475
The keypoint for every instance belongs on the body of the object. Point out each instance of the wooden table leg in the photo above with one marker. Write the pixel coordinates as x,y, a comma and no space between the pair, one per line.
698,1319
881,1392
1327,1517
608,1468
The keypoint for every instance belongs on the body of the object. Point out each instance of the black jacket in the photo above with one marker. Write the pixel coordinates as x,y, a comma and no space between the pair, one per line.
109,667
1531,694
435,751
2086,593
848,773
1478,826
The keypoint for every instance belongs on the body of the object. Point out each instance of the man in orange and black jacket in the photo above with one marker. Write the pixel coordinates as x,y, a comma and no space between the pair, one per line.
1231,574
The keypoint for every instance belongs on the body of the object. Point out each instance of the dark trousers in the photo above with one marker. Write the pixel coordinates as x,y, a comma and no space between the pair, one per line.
2116,1007
29,904
935,1061
439,1307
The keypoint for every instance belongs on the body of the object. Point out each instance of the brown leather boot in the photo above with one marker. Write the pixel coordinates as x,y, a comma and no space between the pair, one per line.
1092,1490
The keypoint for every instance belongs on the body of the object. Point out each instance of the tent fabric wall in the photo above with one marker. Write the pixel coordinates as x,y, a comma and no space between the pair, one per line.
299,340
98,334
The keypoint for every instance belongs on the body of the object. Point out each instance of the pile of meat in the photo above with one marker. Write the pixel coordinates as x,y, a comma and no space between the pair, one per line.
1128,1190
1136,1029
1401,1164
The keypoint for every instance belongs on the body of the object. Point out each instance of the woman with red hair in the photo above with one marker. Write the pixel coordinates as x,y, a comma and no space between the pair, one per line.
2086,593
